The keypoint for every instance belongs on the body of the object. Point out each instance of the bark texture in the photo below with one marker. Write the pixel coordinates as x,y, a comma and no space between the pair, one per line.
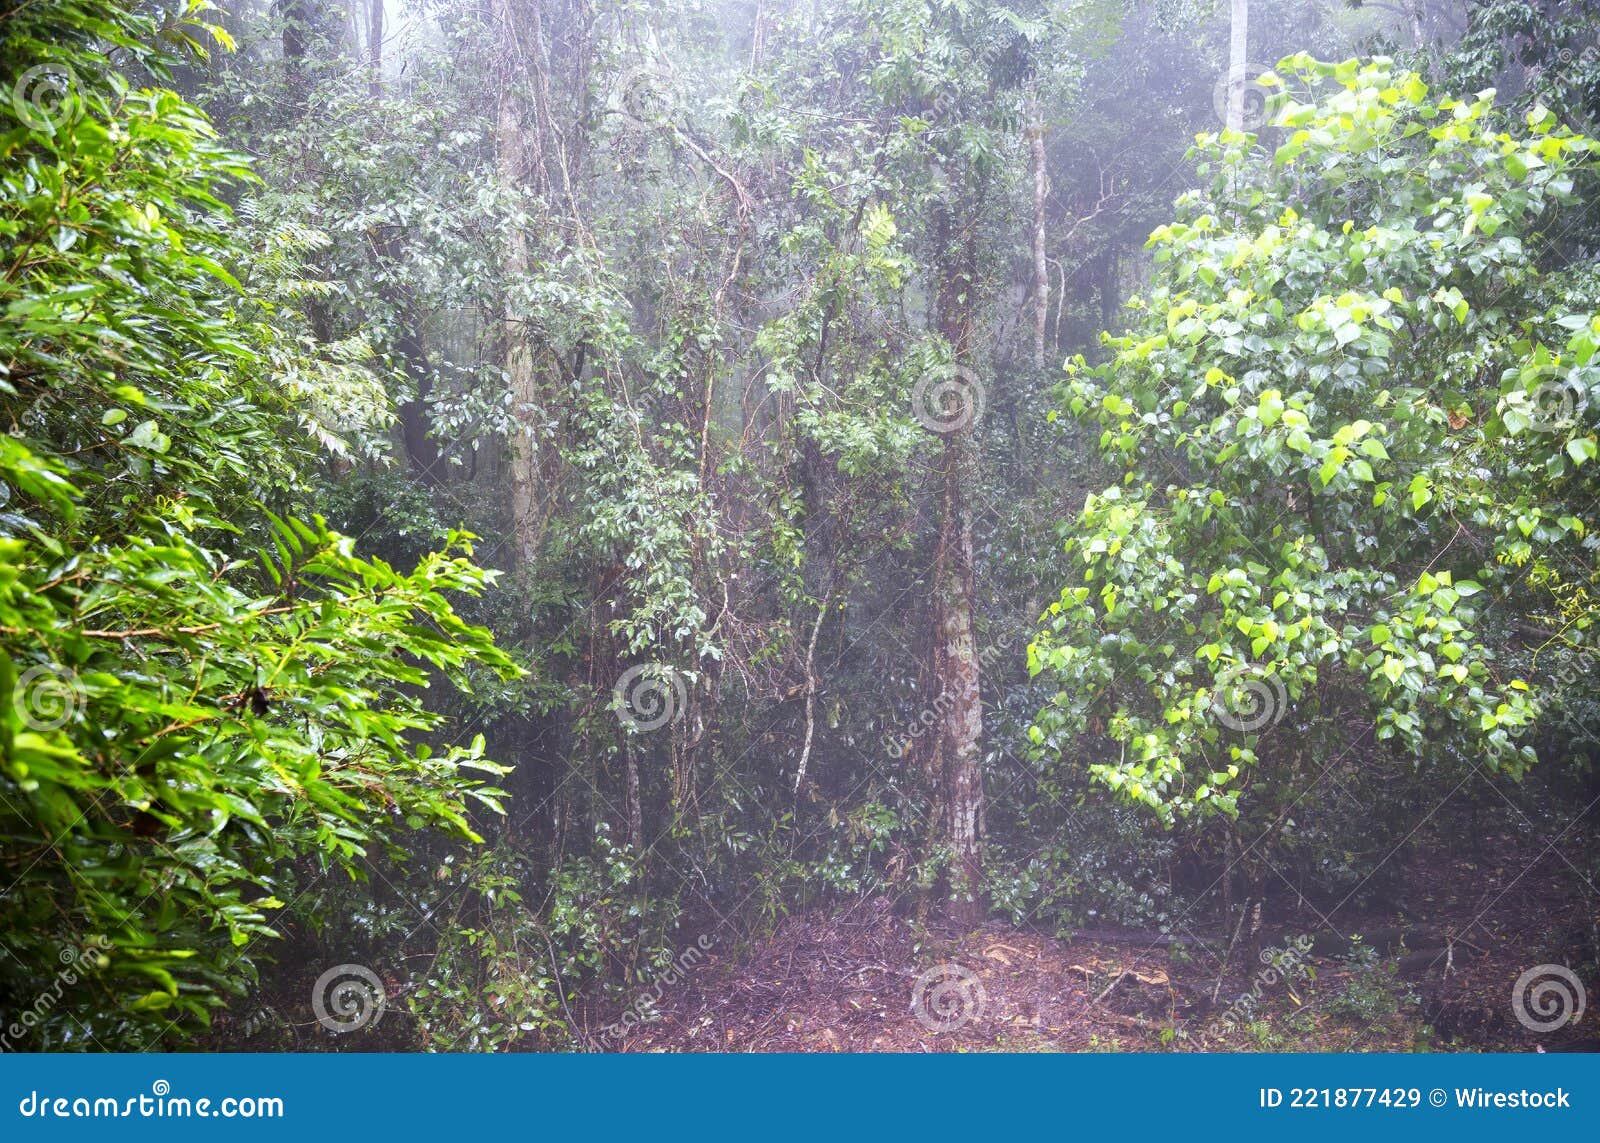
960,683
958,677
520,166
1238,62
375,48
1041,265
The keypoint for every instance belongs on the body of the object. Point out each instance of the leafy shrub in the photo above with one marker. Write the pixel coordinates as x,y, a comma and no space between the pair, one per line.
1347,365
198,688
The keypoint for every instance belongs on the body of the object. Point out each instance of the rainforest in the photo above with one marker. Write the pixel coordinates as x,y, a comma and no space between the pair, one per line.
799,525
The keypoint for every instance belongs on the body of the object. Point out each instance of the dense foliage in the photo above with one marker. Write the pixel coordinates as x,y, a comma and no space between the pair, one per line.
198,694
1274,552
738,330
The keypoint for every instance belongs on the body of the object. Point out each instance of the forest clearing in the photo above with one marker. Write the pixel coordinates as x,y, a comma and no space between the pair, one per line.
826,526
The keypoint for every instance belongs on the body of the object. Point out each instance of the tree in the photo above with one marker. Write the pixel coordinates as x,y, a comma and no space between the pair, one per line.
1540,53
1238,61
522,171
974,132
206,694
1329,415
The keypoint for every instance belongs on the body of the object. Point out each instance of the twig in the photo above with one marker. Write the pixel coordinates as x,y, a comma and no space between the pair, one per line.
1227,955
811,690
1122,974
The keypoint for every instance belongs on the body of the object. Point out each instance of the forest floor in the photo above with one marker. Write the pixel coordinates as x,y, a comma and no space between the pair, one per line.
1441,979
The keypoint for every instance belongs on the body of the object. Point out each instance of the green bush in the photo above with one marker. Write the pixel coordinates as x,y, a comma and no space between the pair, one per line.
199,683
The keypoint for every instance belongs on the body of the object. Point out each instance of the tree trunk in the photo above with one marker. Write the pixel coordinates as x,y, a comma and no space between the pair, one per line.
375,48
302,37
957,671
960,681
1413,12
1238,63
1041,267
514,170
519,365
635,805
422,451
1110,299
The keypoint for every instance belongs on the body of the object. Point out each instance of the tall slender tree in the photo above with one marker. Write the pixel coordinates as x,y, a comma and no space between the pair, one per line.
1238,61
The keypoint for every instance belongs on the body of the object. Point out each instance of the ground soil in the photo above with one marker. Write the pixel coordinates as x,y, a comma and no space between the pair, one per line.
843,980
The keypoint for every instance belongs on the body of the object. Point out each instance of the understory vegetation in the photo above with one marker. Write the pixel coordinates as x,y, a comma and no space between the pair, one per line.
507,502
